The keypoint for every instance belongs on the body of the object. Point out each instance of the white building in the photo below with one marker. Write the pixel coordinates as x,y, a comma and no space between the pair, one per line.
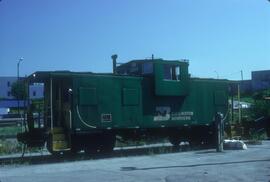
36,91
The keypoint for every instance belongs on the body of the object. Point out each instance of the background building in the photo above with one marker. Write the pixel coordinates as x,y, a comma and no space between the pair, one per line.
36,91
260,80
5,87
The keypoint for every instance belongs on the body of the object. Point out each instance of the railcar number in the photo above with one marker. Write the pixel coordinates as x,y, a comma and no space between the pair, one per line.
106,117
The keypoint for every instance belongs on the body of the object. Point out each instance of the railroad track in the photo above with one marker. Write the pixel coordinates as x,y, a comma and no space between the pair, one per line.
38,158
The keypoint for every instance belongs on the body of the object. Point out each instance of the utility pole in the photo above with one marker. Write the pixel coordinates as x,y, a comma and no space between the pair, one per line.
239,101
219,125
18,78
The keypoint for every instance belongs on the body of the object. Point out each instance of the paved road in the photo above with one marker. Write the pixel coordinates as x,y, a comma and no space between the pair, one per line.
252,164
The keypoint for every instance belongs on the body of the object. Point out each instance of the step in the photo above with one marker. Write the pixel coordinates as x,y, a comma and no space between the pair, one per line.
59,137
57,130
60,145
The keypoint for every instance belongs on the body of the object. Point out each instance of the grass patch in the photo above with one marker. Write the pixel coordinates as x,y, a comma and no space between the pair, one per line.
9,146
253,142
10,130
262,135
256,138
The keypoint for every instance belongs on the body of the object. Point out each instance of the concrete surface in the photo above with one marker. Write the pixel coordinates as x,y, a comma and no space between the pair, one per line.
252,164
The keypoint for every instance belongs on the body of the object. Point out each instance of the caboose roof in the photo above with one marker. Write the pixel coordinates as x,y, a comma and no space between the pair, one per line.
41,76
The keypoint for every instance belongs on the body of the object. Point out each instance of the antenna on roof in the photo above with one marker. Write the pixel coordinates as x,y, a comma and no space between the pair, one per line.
152,56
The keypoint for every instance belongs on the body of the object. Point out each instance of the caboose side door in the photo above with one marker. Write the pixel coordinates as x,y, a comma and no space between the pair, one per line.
59,102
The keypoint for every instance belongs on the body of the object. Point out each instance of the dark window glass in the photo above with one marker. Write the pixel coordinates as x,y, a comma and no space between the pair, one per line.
34,93
147,68
134,69
171,72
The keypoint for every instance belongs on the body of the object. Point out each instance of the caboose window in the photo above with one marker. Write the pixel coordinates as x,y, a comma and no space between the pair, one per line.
134,68
171,72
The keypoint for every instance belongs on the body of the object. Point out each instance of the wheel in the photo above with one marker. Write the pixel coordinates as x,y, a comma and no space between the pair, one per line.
107,144
207,144
92,147
91,150
101,143
194,144
73,151
174,140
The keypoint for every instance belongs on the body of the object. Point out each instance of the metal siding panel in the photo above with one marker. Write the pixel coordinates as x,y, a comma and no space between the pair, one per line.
87,96
130,96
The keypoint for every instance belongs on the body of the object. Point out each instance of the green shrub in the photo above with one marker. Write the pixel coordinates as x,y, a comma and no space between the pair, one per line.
9,147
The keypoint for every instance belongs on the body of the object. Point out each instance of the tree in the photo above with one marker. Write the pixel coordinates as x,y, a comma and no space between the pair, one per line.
262,103
261,108
18,90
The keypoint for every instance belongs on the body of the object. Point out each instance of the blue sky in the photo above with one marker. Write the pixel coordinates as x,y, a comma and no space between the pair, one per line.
221,37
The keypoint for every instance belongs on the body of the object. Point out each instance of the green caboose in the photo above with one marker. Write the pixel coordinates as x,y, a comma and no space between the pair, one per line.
152,97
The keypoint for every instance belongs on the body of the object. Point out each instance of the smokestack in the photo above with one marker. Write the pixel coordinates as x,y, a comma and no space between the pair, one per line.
114,57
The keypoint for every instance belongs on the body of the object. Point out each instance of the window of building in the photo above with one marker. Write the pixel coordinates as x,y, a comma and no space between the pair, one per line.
34,93
171,72
8,93
147,68
8,83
